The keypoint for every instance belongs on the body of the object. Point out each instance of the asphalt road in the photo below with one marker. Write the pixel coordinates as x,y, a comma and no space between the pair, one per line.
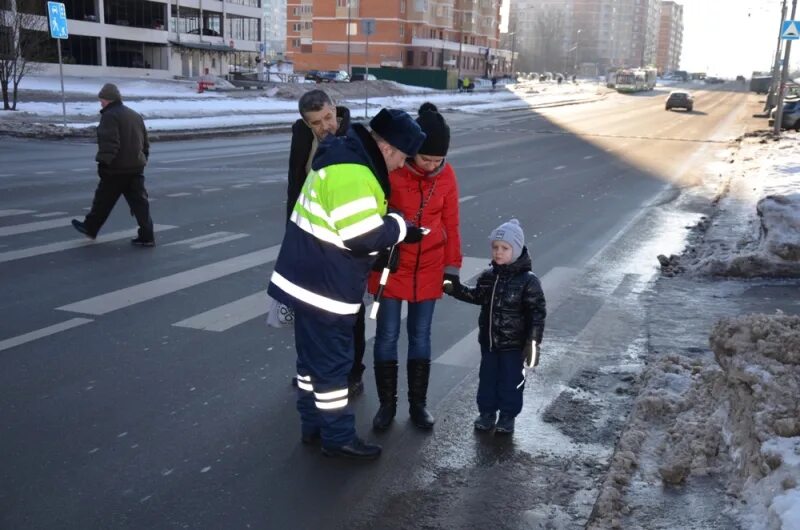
141,388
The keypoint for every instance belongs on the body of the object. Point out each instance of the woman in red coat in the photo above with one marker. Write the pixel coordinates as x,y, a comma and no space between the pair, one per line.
425,192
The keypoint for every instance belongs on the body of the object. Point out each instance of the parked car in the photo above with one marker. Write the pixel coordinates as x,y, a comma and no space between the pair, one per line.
333,76
680,99
791,114
363,77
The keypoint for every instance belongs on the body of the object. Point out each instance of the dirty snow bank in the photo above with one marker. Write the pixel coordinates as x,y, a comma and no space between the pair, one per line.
761,206
760,360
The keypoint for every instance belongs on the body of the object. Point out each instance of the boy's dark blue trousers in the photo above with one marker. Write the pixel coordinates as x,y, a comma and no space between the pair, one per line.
500,375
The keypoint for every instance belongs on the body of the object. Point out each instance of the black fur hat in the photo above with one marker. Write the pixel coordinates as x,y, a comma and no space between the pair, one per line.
437,132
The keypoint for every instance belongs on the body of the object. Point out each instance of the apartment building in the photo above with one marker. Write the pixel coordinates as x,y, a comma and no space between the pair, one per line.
156,38
275,27
670,37
587,35
458,35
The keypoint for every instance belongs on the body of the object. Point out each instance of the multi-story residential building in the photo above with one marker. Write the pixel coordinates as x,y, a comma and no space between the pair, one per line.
459,35
670,37
275,27
157,38
598,34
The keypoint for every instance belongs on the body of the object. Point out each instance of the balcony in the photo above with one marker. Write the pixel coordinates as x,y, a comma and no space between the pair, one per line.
342,11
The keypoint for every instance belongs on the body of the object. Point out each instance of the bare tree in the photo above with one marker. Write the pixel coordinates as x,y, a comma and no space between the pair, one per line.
23,39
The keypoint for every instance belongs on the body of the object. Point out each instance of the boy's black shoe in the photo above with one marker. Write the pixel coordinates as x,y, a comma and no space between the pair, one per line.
505,425
357,450
81,227
141,242
485,422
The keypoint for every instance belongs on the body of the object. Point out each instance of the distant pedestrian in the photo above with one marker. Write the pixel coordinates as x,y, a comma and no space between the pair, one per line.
320,118
494,82
122,153
511,325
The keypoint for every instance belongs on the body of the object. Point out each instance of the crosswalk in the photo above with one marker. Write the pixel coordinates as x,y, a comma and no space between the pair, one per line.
204,317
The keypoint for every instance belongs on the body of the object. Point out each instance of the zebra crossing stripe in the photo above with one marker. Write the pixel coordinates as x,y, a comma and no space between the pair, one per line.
34,227
44,332
226,316
135,294
8,213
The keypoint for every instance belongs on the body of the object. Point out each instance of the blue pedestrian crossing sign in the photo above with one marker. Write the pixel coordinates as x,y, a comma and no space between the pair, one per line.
57,14
790,30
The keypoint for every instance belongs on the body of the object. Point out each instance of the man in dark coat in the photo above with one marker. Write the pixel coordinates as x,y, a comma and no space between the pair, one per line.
320,118
122,152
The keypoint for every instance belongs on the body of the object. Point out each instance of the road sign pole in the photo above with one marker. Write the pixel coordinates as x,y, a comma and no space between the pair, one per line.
61,74
784,76
366,79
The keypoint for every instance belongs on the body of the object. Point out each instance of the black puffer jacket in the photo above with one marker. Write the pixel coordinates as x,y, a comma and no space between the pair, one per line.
302,140
513,307
122,144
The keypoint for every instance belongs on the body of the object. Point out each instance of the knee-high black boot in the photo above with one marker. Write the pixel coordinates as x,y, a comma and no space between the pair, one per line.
419,371
386,380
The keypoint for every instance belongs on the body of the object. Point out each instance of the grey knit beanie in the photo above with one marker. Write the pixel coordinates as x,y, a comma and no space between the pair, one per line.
110,92
511,233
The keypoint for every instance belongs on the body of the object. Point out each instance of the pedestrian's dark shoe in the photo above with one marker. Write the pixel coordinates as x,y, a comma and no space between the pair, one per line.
505,425
419,371
141,242
356,450
355,388
81,227
311,438
384,417
485,422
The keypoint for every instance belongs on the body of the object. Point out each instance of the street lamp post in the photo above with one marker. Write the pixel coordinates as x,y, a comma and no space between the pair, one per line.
513,49
577,51
348,36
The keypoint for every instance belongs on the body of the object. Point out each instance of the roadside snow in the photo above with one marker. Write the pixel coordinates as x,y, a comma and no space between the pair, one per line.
130,87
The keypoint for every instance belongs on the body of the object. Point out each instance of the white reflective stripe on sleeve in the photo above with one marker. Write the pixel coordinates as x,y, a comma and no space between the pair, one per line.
308,387
316,209
354,207
317,231
317,300
329,405
362,227
333,394
402,224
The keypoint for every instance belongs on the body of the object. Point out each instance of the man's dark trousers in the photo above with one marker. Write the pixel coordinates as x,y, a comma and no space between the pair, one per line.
109,189
324,359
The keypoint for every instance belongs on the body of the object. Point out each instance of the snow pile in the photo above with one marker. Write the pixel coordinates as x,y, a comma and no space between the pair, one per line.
760,358
764,194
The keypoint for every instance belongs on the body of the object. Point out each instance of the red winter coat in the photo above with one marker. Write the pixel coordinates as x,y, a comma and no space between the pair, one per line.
421,266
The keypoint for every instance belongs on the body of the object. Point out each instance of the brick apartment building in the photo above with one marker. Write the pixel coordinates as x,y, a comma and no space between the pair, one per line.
458,35
670,37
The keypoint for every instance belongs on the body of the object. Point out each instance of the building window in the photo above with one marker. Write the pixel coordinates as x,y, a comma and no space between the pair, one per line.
251,3
409,58
242,28
135,54
136,14
296,26
295,43
402,30
402,6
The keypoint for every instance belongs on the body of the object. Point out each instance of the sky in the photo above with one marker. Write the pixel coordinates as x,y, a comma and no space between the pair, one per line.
729,37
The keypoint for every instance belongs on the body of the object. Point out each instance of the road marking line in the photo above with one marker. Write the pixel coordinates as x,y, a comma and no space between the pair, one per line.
197,239
559,168
226,316
12,255
232,237
181,194
44,332
588,157
466,198
50,214
135,294
209,190
43,172
520,181
34,227
6,174
8,213
240,186
467,352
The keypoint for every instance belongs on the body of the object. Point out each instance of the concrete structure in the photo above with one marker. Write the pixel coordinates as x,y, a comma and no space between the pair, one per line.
590,35
156,38
458,35
670,37
275,28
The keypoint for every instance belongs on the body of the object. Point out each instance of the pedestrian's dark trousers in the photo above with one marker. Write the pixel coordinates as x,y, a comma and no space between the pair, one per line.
324,360
108,191
501,374
359,345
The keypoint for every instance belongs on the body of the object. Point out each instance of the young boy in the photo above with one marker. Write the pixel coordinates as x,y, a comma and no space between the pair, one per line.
511,325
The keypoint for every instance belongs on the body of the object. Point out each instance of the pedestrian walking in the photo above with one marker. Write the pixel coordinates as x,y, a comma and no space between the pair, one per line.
122,153
320,118
425,192
339,222
511,325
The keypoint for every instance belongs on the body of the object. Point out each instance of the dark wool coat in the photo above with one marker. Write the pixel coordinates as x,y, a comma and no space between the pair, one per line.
302,140
512,303
421,266
122,144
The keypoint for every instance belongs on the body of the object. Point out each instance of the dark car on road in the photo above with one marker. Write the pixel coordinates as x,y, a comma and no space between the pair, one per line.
680,99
